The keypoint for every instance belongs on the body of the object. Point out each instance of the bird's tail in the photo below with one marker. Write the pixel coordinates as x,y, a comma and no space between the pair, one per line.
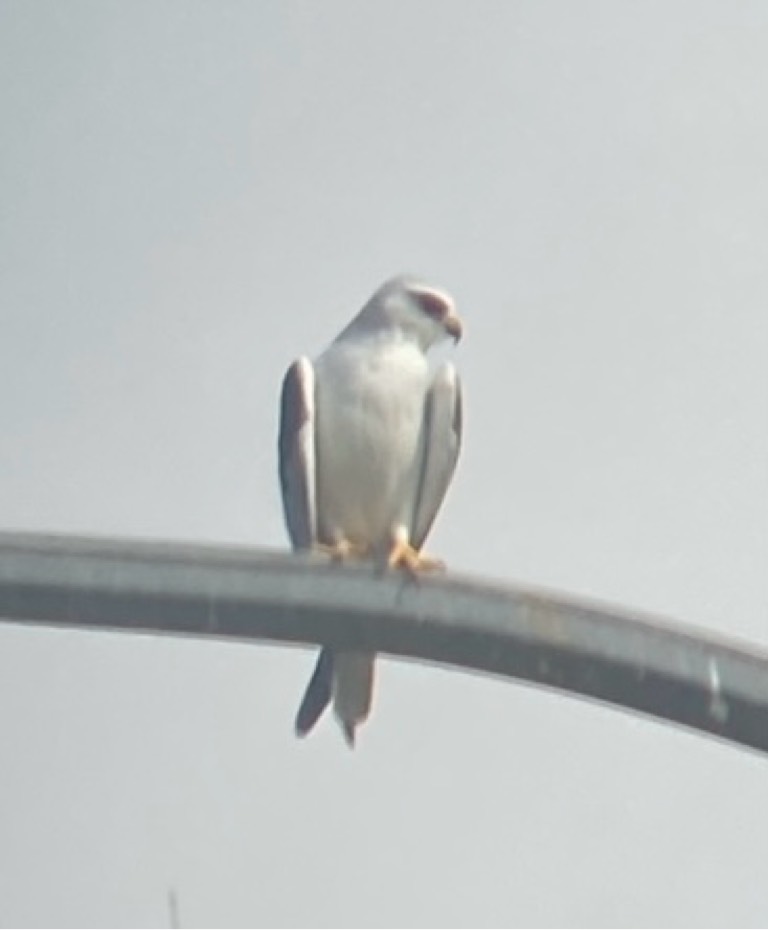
352,690
347,677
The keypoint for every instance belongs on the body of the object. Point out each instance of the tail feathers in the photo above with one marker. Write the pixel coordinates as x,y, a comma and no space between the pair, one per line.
318,694
352,691
345,677
348,729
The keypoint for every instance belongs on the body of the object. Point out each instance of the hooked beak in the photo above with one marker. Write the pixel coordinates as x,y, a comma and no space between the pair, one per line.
439,305
453,326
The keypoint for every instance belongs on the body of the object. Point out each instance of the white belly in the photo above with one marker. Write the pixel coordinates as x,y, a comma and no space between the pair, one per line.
368,431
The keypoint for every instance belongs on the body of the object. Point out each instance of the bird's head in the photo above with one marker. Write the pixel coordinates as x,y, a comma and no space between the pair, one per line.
412,309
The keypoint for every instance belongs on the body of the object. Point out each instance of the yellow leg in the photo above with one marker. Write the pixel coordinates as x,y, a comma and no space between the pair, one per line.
342,551
403,555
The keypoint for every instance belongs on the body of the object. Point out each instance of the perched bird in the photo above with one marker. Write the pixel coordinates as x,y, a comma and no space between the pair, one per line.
369,438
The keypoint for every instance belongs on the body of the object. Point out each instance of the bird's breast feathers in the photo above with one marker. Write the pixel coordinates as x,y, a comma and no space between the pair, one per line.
368,428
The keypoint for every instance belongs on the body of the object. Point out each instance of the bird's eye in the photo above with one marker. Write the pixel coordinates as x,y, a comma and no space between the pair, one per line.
434,305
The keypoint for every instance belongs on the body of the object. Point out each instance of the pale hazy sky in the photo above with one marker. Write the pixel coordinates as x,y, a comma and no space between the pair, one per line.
192,193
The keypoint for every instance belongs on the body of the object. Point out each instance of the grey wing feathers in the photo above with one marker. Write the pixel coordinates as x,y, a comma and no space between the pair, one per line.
296,450
318,694
296,446
442,442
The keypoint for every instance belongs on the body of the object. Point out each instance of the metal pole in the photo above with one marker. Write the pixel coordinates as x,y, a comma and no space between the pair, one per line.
591,650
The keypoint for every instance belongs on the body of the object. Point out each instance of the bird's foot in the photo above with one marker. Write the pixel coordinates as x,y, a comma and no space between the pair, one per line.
342,551
403,555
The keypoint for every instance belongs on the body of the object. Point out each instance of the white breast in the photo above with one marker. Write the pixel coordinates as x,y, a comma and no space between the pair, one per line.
369,410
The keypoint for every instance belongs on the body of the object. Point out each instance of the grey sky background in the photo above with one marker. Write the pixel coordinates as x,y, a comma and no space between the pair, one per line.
192,194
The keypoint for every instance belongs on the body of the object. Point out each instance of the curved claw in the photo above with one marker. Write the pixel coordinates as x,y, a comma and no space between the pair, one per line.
343,550
403,555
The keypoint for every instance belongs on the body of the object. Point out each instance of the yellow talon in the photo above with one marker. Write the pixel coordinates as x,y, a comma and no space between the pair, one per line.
403,555
342,551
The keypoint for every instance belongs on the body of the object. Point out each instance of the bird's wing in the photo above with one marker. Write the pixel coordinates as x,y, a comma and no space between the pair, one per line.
442,441
318,694
297,480
296,447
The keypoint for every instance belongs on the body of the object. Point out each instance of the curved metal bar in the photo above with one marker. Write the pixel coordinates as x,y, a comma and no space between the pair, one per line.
595,651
